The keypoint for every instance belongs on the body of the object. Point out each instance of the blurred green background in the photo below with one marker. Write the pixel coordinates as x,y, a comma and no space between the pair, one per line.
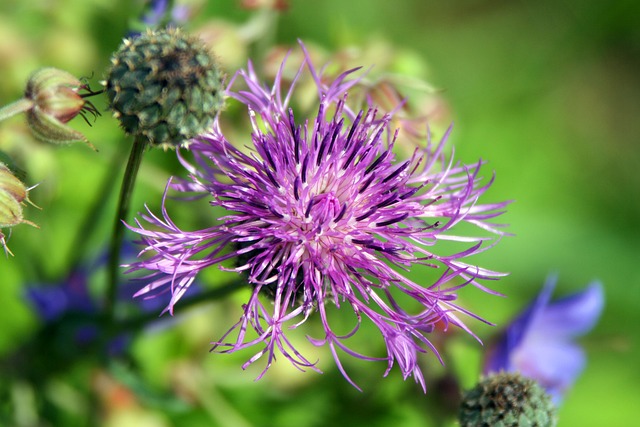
547,92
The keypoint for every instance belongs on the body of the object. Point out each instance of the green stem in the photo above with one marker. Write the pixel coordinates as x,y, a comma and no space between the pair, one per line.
92,218
20,106
126,191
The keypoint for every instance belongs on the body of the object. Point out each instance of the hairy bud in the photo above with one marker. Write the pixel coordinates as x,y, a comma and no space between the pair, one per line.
12,195
52,98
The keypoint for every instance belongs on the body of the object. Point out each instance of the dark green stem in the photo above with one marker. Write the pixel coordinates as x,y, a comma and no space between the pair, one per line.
126,191
92,218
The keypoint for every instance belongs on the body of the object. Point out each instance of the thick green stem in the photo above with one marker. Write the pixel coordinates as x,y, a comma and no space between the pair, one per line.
126,191
20,106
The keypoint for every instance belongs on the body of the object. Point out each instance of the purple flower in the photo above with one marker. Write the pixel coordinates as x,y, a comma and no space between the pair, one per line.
71,303
50,302
159,14
539,342
163,12
156,12
320,213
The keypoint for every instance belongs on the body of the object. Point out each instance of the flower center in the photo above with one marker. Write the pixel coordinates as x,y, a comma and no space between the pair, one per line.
324,208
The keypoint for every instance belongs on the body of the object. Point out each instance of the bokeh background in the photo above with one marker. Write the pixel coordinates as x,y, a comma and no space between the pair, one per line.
547,92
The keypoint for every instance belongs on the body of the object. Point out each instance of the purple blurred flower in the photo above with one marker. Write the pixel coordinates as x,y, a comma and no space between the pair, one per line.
165,12
539,343
320,211
52,302
71,298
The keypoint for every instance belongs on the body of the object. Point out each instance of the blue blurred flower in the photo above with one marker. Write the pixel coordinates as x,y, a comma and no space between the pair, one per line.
70,305
164,12
539,343
50,302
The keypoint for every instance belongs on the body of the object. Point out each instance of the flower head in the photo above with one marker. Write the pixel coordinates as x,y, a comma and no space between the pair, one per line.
319,211
539,342
164,86
507,399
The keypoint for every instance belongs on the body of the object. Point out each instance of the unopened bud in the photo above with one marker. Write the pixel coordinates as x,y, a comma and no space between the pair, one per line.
54,92
509,400
13,194
164,86
56,100
52,98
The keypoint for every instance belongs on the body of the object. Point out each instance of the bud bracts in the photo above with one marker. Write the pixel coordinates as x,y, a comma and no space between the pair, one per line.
507,400
165,86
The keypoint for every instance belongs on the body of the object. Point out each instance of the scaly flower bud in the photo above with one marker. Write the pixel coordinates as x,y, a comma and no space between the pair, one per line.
12,195
504,400
164,86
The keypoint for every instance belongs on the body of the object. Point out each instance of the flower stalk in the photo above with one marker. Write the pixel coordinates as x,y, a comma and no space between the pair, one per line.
126,191
17,107
164,87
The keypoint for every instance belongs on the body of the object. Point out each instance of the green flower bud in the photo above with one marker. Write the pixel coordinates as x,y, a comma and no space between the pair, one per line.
12,195
504,400
56,100
164,86
54,93
51,99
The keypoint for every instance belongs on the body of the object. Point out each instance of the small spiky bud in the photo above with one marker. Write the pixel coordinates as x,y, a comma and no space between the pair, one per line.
165,86
506,399
12,195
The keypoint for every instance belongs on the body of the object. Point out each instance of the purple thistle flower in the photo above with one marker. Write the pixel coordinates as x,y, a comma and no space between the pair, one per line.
539,342
320,211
